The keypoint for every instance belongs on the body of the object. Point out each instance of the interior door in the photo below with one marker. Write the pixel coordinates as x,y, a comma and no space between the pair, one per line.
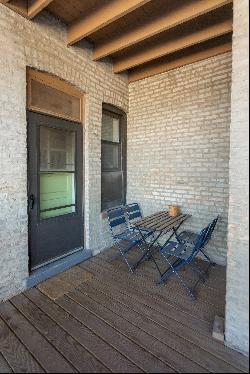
55,188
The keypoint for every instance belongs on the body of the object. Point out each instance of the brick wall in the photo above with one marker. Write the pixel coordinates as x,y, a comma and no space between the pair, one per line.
41,44
237,300
178,144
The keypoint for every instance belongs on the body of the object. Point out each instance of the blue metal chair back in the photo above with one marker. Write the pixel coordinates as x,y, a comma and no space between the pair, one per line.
211,229
200,242
133,212
117,221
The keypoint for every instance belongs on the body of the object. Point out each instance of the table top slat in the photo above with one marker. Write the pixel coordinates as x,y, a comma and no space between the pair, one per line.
161,222
174,225
150,218
169,221
158,221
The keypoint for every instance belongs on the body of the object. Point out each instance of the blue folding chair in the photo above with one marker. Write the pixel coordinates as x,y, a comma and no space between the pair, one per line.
183,255
190,237
124,238
134,214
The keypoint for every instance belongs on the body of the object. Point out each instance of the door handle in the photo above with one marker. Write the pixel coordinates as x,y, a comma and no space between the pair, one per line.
31,202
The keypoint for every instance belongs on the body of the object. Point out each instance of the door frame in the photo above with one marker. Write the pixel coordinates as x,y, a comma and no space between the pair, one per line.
75,252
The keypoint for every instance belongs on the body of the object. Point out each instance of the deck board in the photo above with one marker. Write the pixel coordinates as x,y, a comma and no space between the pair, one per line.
69,348
37,345
206,294
145,360
126,310
137,335
117,322
15,353
98,347
175,304
4,366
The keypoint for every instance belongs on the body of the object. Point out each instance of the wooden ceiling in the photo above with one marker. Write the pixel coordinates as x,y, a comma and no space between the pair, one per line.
143,37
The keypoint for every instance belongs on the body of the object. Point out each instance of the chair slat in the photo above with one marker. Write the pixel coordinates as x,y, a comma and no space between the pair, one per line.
122,236
114,213
134,215
117,222
185,250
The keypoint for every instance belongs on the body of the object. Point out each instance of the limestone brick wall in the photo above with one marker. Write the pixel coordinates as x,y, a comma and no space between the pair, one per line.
178,144
41,44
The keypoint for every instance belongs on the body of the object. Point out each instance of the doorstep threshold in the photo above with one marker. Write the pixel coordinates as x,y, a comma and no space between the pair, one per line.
56,267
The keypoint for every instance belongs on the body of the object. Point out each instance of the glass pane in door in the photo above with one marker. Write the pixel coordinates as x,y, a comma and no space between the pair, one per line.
57,172
110,128
111,157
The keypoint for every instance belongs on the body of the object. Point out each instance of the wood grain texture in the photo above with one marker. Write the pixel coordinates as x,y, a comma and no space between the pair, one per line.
169,46
117,322
60,86
145,360
36,6
37,345
62,283
156,29
179,59
115,361
166,20
69,348
162,351
171,307
19,6
15,353
102,17
190,351
4,366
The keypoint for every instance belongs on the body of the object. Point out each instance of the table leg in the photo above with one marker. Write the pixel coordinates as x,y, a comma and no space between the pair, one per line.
148,251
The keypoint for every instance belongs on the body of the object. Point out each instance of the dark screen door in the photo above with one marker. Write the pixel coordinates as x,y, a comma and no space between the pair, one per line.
55,185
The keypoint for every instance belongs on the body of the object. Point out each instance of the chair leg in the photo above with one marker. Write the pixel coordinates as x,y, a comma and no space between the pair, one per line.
115,257
208,258
140,245
127,262
203,276
123,255
181,280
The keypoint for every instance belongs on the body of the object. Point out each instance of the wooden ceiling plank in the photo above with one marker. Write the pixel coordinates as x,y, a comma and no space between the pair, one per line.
19,6
184,13
36,6
165,48
162,67
102,17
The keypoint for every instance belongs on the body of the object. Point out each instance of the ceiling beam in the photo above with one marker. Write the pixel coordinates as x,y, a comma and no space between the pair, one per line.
165,64
27,8
36,6
185,12
164,48
102,17
19,6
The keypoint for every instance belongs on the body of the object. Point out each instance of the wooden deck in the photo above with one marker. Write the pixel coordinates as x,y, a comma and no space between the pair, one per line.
117,322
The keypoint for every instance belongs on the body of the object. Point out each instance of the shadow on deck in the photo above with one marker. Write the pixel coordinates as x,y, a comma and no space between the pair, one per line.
114,321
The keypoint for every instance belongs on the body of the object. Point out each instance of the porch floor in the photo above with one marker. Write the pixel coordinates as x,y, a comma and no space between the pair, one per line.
118,322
